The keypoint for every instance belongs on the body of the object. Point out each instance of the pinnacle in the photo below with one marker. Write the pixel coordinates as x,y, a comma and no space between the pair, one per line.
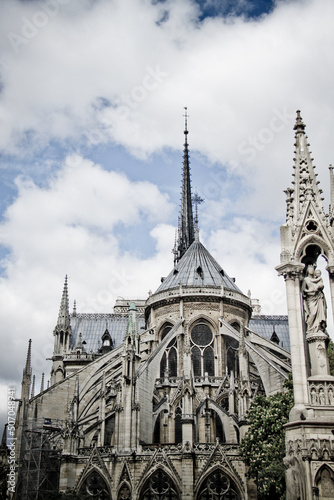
299,126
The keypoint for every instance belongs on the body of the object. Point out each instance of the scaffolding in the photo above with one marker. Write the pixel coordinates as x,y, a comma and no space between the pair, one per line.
40,458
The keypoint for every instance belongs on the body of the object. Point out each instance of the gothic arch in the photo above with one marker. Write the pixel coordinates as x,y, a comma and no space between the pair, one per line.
95,484
159,484
218,483
203,346
312,240
124,490
235,323
205,319
229,429
324,481
162,327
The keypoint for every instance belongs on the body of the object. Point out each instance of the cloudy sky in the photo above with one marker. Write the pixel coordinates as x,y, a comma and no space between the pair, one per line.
91,136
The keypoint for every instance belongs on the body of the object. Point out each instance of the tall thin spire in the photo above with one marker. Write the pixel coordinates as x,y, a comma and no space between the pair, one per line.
305,179
64,314
27,368
186,233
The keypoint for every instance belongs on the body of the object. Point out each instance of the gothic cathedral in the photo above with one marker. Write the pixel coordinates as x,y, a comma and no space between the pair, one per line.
150,401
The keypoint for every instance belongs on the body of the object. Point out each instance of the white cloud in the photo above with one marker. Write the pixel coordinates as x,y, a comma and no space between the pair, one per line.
248,251
106,73
69,227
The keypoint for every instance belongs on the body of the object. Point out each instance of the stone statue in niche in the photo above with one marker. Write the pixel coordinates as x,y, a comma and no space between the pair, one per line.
315,307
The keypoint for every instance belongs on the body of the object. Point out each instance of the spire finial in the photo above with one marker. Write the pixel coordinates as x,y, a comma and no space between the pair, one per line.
299,126
197,200
186,121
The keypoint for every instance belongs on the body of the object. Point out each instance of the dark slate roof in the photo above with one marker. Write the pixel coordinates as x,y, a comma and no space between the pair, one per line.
266,325
197,267
92,327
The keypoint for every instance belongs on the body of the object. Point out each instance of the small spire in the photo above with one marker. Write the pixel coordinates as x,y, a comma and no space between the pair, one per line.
27,368
64,315
42,383
305,179
74,309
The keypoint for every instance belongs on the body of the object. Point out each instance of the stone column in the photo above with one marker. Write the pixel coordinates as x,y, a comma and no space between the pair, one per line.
330,270
291,275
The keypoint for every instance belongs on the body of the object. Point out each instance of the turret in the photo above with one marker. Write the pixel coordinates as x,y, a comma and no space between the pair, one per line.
62,336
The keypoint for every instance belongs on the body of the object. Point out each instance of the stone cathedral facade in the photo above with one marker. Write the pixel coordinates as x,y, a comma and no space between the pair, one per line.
149,401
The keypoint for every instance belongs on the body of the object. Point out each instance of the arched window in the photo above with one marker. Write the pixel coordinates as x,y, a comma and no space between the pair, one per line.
202,353
197,362
178,425
232,347
324,481
156,432
209,361
169,359
95,487
159,486
124,492
220,434
218,486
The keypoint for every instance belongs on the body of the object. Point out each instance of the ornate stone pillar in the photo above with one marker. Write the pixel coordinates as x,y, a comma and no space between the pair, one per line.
292,273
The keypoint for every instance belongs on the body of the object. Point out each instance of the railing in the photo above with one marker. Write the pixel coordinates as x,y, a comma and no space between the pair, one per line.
197,290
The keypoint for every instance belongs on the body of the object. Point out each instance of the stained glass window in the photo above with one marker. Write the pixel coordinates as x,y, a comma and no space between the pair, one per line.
95,487
169,360
218,486
202,353
159,486
209,361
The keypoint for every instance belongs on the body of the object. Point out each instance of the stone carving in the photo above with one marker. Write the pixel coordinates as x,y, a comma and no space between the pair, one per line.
295,487
315,306
321,394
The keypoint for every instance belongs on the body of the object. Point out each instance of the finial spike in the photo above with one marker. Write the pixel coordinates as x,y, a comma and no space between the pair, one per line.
186,121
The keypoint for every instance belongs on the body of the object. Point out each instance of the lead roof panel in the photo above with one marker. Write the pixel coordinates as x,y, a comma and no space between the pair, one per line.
93,326
197,267
267,325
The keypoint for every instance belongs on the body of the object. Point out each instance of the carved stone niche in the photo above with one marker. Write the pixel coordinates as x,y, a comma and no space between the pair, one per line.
321,393
324,483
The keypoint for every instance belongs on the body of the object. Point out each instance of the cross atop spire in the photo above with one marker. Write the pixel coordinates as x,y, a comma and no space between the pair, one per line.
186,233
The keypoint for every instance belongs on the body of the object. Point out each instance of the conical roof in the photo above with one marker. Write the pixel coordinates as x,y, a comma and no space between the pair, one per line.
197,268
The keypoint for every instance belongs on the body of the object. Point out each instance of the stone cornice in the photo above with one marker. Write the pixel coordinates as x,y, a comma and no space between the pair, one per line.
290,270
